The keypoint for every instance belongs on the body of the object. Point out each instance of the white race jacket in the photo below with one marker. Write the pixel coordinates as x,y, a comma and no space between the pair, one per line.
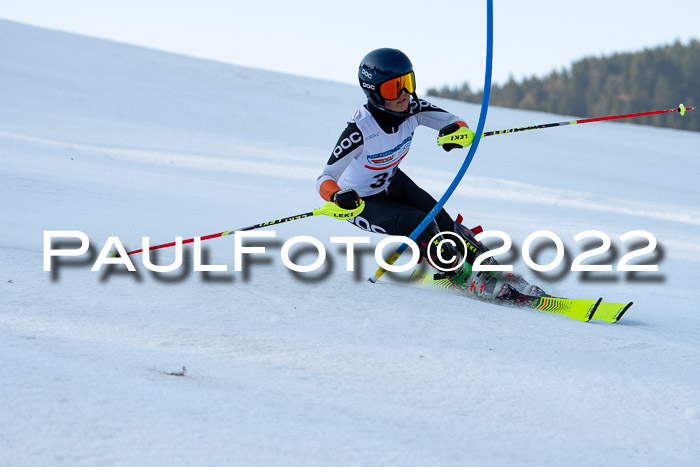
366,156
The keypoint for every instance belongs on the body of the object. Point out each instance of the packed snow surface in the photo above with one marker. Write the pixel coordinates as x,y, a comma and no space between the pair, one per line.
321,367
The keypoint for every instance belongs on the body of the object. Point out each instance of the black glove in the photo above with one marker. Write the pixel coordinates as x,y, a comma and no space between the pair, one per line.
449,147
346,199
455,135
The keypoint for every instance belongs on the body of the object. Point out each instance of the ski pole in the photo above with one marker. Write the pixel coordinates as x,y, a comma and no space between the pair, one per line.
681,109
328,209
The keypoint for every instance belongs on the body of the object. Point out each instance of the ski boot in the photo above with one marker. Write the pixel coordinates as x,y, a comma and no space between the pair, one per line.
493,285
484,280
461,276
510,295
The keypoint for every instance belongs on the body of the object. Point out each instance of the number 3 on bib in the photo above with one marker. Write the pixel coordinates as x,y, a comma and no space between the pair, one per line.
382,179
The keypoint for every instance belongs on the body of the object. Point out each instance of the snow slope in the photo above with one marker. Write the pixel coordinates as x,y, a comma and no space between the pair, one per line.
321,368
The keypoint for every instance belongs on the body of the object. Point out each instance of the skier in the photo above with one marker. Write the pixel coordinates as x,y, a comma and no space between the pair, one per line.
364,165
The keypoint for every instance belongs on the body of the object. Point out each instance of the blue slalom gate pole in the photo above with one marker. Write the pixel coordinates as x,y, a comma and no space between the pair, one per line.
472,150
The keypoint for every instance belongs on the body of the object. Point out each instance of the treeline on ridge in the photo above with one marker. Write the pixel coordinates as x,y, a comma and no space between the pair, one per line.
653,79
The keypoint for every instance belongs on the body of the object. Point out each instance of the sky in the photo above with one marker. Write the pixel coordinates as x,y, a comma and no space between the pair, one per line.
319,38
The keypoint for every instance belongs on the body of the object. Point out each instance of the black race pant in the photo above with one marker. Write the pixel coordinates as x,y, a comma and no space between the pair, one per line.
399,209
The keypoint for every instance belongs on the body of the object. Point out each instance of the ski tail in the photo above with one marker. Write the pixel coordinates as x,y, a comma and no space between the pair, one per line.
429,281
611,312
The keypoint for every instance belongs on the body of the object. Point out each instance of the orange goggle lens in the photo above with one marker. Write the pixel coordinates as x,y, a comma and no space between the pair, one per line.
390,90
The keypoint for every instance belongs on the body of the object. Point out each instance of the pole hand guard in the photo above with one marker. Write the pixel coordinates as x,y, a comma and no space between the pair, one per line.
455,135
336,212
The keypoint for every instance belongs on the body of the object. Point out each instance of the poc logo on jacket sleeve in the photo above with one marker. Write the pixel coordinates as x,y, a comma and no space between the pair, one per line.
347,143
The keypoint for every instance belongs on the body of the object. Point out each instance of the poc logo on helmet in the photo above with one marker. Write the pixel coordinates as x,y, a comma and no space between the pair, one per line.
368,86
367,73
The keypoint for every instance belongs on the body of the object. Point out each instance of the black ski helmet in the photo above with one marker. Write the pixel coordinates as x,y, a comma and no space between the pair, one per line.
381,65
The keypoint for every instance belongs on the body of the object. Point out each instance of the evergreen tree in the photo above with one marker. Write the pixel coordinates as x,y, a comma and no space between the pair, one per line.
652,79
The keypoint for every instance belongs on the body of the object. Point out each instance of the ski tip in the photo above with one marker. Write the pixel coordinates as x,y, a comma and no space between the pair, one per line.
622,311
595,306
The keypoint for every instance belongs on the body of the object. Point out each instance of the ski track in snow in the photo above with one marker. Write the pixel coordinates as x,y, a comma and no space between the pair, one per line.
286,369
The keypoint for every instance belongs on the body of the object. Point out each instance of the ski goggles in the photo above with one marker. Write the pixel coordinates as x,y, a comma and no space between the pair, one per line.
391,89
